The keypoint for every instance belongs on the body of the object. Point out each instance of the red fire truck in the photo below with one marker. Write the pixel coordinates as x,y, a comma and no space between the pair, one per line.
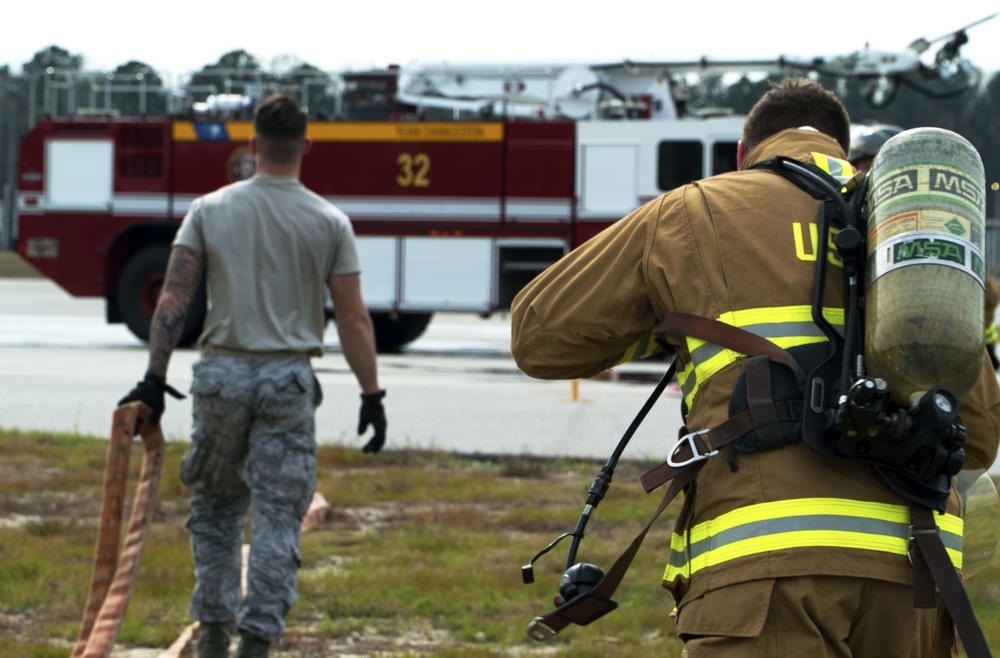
462,183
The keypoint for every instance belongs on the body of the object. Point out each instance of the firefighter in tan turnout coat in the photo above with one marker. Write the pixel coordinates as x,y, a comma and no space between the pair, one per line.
776,553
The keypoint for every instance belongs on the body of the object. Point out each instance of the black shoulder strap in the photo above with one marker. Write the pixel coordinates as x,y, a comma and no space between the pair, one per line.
931,565
825,381
806,176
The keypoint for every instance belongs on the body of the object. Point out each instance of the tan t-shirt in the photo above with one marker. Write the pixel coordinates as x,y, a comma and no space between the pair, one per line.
270,245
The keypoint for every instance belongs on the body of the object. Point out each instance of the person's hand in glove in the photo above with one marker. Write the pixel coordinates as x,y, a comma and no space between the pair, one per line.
372,413
150,392
992,351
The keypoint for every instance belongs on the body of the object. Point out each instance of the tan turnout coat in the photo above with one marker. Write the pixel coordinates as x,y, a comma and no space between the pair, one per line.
737,241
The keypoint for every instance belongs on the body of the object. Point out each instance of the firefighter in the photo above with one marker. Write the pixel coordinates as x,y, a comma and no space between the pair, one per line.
782,552
865,145
867,142
989,317
267,247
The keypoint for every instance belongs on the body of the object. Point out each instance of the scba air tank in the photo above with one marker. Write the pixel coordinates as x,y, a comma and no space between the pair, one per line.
926,268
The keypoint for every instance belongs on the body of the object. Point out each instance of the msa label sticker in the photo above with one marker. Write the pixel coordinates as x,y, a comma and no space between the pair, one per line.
926,248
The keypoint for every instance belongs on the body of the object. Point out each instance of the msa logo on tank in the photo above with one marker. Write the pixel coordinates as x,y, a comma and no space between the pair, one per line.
930,247
923,246
922,179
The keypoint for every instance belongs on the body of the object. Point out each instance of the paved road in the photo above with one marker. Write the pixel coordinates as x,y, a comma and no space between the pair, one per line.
62,368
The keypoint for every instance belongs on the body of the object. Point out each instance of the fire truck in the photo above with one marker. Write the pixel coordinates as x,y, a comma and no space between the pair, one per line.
462,182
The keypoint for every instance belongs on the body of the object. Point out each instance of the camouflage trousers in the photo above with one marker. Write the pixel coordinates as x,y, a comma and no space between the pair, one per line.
253,448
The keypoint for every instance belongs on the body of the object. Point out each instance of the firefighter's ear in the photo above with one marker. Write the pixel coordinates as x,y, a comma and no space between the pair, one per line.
308,146
253,144
741,154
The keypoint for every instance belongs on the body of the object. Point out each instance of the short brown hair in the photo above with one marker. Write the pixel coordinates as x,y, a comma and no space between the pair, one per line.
794,103
280,127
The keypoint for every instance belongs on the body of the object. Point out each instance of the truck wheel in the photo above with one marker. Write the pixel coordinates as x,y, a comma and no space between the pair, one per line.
139,287
394,330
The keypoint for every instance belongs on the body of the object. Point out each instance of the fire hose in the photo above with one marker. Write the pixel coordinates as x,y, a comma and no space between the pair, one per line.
114,567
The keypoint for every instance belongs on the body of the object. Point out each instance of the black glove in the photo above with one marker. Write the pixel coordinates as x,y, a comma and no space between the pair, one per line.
150,392
992,351
372,413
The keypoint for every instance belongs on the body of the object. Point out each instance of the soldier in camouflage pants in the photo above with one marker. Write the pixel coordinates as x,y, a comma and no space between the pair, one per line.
267,249
254,433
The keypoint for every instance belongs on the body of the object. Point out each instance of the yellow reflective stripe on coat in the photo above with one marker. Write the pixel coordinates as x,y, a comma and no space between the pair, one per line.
785,326
990,334
839,169
641,349
802,523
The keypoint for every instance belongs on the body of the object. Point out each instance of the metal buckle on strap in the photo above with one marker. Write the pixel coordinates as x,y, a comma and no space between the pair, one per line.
539,630
911,540
695,455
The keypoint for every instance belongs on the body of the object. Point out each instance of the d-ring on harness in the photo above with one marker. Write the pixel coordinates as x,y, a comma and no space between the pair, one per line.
688,441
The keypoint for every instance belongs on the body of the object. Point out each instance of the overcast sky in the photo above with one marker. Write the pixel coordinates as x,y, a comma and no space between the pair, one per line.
179,37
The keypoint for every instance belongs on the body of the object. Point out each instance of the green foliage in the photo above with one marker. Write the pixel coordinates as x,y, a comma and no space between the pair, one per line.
10,646
53,57
971,113
238,72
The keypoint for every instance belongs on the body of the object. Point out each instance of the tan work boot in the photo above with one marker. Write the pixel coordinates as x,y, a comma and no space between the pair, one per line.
252,647
213,640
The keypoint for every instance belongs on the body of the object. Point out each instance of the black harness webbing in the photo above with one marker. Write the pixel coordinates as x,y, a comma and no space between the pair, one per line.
929,555
680,469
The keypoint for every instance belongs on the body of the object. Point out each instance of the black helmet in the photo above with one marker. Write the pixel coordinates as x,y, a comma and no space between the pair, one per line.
867,142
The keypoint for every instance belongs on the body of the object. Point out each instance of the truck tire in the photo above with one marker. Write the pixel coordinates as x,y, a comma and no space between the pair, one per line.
139,288
394,330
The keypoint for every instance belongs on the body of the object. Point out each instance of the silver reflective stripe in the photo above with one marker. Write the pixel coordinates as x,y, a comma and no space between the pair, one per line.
797,329
771,331
782,525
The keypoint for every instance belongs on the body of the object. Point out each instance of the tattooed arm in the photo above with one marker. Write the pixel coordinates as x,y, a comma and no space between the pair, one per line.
184,272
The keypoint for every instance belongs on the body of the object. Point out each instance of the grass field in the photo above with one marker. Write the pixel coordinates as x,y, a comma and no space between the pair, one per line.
420,556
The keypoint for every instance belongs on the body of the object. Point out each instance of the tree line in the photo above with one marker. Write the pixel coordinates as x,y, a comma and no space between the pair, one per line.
972,114
55,82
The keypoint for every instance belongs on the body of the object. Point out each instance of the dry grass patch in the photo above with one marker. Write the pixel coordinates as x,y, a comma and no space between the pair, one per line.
419,555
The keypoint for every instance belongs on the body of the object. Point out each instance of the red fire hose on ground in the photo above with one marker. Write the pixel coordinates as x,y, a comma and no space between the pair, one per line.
114,567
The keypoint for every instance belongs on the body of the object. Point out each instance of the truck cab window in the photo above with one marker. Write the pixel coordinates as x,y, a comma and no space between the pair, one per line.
723,157
679,163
